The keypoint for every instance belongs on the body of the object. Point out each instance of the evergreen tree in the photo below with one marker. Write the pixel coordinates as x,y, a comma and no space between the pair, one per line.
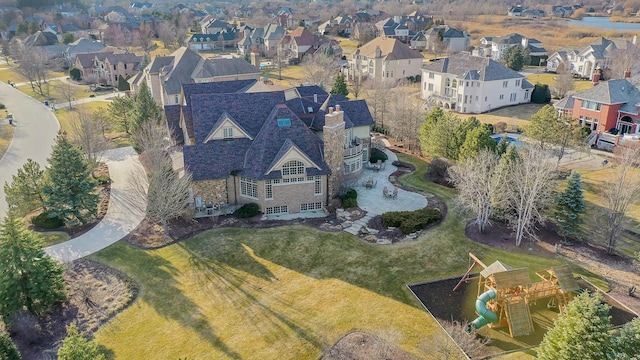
625,344
24,194
29,278
69,187
146,108
461,129
515,60
76,347
340,86
8,350
121,113
542,127
477,139
502,146
570,207
526,57
438,136
581,332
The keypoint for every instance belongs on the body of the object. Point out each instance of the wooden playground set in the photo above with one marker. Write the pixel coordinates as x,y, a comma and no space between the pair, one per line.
505,294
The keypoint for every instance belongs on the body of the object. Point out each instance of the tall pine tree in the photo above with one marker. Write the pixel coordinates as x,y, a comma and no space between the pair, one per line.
569,208
340,86
581,332
69,187
146,109
24,194
29,278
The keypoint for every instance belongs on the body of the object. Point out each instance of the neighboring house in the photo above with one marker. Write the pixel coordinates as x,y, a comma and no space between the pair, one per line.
533,13
80,46
139,7
515,10
42,38
389,28
384,59
495,46
446,39
418,41
288,151
609,106
213,26
473,84
583,62
107,66
301,41
263,40
166,75
562,11
340,25
224,39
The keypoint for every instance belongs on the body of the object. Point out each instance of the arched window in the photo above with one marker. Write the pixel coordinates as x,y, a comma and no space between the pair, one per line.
454,84
293,167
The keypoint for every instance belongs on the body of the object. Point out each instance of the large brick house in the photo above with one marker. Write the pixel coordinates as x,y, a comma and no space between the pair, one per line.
608,107
107,67
288,151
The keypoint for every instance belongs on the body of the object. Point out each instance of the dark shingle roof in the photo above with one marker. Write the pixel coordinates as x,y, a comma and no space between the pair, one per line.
226,67
461,64
172,113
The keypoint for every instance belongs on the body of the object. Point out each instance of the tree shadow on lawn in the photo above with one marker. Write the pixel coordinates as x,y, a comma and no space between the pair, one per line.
217,278
164,295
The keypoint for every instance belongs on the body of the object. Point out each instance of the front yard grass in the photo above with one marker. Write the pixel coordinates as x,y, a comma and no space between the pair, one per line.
287,292
55,90
66,115
6,134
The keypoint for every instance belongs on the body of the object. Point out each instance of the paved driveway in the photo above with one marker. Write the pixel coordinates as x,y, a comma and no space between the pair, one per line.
127,207
34,135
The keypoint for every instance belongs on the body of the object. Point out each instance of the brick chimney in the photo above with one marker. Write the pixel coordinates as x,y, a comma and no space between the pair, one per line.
627,73
596,78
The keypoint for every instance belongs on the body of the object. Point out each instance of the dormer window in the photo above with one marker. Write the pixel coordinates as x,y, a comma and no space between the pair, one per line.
293,167
228,133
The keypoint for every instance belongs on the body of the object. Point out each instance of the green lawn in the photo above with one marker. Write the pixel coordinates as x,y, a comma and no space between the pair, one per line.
66,116
56,90
549,79
6,134
287,292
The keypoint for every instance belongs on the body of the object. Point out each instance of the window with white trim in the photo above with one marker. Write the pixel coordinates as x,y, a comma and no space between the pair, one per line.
501,97
505,83
277,210
268,188
227,132
249,187
513,97
517,82
311,206
293,167
318,185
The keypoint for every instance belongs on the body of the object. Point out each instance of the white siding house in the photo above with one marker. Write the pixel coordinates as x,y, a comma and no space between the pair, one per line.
473,85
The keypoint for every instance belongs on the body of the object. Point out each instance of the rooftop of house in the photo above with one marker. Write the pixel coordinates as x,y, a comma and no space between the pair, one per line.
224,67
619,91
390,49
470,67
447,32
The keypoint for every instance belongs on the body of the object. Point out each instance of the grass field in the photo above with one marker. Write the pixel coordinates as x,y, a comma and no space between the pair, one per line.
514,116
549,79
6,134
66,116
288,292
58,91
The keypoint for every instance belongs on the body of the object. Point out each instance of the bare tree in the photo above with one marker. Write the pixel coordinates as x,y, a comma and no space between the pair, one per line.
66,90
357,84
168,194
166,34
476,188
34,64
320,68
378,100
447,346
564,83
528,190
620,190
88,132
145,36
620,60
409,114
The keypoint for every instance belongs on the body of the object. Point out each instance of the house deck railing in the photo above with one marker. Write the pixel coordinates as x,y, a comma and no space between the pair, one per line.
353,150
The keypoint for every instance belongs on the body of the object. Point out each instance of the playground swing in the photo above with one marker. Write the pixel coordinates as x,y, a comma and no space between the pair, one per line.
505,294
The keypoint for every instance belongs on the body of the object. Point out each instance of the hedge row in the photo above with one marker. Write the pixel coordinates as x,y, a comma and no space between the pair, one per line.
411,221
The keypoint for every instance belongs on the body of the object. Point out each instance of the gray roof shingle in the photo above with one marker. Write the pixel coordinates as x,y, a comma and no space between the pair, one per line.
461,64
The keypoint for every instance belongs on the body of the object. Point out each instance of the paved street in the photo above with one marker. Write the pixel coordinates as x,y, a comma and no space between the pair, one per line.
34,135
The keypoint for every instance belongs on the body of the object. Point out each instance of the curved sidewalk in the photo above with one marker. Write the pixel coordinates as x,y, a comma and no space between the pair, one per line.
127,208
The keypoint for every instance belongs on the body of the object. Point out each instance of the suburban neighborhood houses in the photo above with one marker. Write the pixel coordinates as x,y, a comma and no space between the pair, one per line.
319,179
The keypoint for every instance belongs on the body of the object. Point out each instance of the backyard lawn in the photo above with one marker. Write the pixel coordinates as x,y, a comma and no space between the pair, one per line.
549,79
287,292
514,116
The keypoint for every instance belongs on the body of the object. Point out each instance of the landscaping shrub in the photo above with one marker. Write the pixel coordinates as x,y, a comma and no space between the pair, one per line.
103,179
438,168
247,211
541,94
2,107
377,154
8,350
349,194
411,221
499,127
45,222
75,74
349,203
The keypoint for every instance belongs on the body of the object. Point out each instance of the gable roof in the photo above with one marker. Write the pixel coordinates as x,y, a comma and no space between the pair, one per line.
478,68
620,91
224,67
391,49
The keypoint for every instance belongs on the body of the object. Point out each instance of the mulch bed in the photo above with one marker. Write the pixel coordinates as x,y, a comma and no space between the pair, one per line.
360,345
95,294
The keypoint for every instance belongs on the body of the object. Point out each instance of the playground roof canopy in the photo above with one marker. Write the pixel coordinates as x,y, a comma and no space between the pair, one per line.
496,267
512,278
566,280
